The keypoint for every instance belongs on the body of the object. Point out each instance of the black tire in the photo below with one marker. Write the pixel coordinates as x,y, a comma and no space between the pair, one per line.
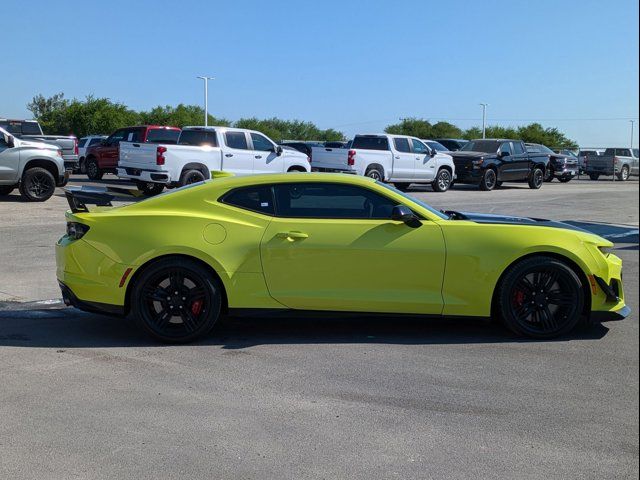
540,297
499,184
82,166
489,180
443,181
6,189
403,187
594,176
536,179
623,176
172,317
37,184
564,179
92,169
376,173
150,189
549,175
191,176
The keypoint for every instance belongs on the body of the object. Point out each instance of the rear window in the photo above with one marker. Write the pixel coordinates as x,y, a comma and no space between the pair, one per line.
484,146
31,128
256,198
20,127
81,142
365,142
401,144
199,138
162,135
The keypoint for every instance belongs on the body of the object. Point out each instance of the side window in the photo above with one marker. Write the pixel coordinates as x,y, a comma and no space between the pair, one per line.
133,135
236,140
198,137
330,200
518,149
261,143
117,137
82,142
3,143
622,152
505,148
95,141
418,146
257,199
401,144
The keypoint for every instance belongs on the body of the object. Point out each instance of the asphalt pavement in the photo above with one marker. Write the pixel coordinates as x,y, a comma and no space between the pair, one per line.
87,396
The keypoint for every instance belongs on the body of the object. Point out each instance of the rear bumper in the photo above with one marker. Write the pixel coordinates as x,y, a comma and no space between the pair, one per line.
71,161
142,175
71,300
63,179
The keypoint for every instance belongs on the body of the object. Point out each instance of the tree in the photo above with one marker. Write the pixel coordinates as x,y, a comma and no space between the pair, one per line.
417,127
179,116
278,129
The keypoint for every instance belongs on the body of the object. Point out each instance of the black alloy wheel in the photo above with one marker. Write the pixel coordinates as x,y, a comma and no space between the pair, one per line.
443,181
176,300
489,180
93,170
536,179
37,185
541,297
191,176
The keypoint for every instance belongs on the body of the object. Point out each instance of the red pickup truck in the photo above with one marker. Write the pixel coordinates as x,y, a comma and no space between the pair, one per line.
103,157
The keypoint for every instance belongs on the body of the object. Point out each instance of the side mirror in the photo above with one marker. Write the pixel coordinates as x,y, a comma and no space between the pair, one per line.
400,213
278,150
433,152
9,141
502,154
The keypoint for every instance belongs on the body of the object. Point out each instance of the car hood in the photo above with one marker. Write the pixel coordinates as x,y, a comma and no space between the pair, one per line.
468,154
42,145
509,220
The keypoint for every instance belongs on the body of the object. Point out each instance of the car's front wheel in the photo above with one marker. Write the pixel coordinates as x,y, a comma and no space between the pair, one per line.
443,181
623,176
92,169
594,176
176,300
540,297
536,179
37,184
489,180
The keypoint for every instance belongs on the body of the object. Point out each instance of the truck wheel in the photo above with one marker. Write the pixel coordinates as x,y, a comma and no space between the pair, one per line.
37,185
623,176
489,180
376,173
6,189
442,182
536,178
499,184
594,176
403,187
93,170
191,176
549,176
150,188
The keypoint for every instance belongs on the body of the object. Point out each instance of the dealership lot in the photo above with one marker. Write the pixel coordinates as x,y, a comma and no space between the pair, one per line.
88,396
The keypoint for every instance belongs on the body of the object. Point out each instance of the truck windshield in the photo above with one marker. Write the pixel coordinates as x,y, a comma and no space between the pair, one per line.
414,200
538,149
484,146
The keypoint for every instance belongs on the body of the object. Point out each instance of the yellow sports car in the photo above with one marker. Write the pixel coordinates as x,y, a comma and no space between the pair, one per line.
326,242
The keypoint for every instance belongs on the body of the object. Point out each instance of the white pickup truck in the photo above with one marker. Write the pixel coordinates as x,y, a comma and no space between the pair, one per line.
202,150
398,159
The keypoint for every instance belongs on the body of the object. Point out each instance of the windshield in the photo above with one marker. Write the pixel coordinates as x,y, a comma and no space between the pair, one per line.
438,147
535,148
414,200
484,146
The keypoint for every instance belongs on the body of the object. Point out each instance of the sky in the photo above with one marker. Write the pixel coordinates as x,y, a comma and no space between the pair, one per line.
350,65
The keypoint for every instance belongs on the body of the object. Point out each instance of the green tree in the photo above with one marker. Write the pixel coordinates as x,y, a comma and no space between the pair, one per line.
278,129
417,127
179,116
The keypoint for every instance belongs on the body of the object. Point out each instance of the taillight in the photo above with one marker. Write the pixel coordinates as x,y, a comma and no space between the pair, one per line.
75,146
76,230
160,155
351,158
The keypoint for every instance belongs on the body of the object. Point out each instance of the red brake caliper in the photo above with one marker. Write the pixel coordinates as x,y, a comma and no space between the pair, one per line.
518,298
196,307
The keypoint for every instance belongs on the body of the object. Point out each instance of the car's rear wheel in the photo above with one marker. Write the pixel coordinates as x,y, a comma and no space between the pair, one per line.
176,300
443,181
403,187
623,176
536,179
191,176
376,173
93,170
540,297
594,176
6,189
489,180
150,188
37,184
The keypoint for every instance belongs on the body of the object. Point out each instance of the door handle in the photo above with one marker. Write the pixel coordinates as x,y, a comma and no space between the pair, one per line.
258,156
293,236
397,157
228,154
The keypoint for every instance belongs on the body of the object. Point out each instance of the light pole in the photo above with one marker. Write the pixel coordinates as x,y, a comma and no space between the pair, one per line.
484,119
632,122
206,98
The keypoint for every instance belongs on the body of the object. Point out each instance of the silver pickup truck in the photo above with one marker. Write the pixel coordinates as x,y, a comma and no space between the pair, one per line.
30,130
621,162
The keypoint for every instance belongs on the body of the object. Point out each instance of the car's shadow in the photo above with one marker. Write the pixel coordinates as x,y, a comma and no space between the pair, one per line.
70,328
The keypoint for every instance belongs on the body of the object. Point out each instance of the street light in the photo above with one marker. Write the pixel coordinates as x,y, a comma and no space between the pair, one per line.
206,98
484,119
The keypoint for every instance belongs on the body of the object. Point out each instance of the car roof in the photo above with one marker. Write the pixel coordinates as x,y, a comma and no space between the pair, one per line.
247,180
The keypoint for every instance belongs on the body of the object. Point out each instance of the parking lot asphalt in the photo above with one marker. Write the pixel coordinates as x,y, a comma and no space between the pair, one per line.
86,396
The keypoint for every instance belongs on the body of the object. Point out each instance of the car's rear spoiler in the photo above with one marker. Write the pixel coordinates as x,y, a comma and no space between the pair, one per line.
80,197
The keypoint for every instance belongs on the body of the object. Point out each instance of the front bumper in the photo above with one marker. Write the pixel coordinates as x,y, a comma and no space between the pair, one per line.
63,179
611,316
142,175
566,173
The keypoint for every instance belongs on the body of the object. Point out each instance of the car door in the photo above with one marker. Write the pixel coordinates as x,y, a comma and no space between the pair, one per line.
425,162
237,156
109,152
505,162
333,246
520,162
9,160
404,161
265,159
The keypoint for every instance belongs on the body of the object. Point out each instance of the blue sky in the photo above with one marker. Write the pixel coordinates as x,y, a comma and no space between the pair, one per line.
354,66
